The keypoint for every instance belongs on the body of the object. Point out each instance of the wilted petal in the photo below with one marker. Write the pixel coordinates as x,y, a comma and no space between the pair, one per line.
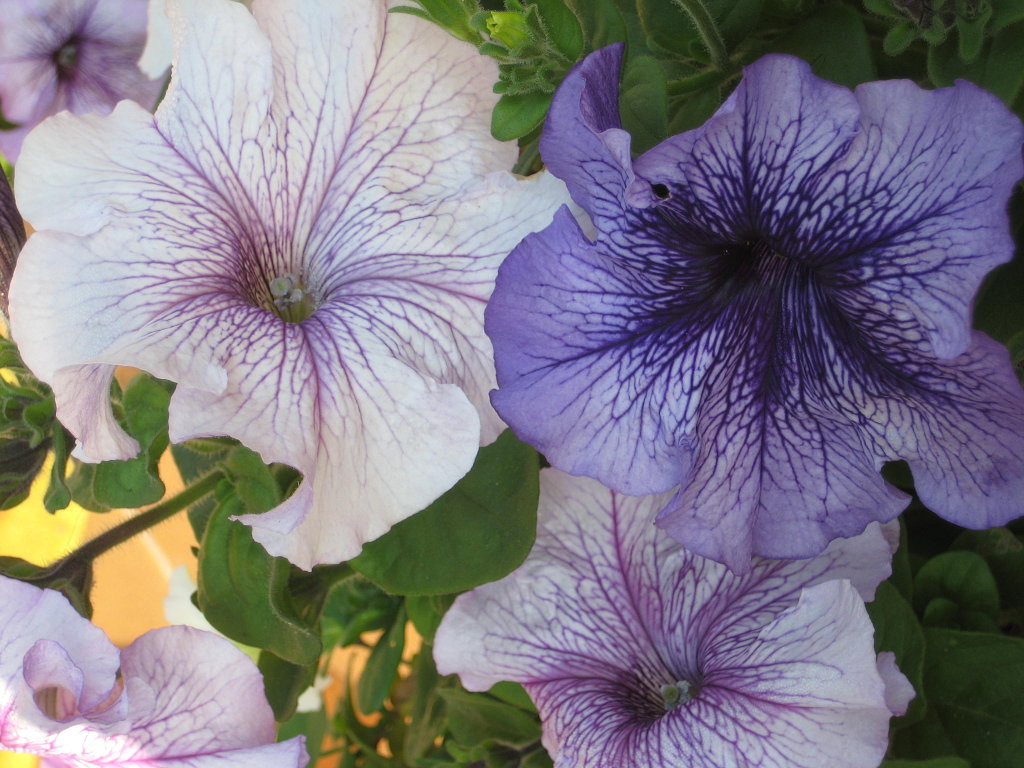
175,698
607,614
773,306
12,237
330,146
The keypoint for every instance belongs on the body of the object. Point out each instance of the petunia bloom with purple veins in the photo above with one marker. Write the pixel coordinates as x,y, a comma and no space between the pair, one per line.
639,653
303,237
775,305
80,55
175,698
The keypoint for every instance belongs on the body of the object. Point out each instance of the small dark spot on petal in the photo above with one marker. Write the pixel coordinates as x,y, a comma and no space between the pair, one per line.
661,191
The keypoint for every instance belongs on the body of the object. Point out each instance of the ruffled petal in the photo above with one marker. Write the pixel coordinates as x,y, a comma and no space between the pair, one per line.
583,142
190,699
44,639
607,614
328,398
960,427
195,701
584,353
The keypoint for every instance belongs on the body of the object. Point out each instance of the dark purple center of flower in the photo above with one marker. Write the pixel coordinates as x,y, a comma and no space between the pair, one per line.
647,700
66,57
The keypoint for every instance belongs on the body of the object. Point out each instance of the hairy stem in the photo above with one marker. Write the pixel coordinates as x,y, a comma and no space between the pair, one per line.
708,31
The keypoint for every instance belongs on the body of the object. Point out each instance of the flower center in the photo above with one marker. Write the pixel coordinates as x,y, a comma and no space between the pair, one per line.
66,57
674,694
290,299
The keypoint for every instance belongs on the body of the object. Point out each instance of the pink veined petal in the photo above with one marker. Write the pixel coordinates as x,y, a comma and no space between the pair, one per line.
190,699
373,179
607,612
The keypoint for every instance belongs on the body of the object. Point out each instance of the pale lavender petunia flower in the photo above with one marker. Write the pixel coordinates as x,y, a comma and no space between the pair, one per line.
303,238
175,698
80,55
640,654
775,305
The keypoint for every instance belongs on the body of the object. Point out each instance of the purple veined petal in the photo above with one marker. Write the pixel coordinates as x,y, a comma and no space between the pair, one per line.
175,698
337,155
962,434
638,652
575,359
583,142
924,216
338,424
780,312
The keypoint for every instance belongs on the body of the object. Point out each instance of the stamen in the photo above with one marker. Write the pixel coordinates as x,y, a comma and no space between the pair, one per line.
289,298
674,694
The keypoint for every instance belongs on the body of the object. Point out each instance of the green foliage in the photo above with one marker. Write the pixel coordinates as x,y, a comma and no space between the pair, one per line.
973,682
381,668
142,411
475,533
957,589
834,41
897,629
643,102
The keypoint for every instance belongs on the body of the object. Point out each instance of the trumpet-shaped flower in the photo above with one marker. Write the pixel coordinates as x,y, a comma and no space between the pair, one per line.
175,698
775,305
80,55
639,653
303,237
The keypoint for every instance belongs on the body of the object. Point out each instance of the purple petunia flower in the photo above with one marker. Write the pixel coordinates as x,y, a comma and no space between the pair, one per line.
639,653
175,698
775,304
303,238
80,55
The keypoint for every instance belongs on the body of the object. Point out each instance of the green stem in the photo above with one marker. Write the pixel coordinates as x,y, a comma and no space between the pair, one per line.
708,31
131,527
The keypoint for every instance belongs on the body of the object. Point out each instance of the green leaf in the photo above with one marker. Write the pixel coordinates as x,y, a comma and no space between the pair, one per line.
1004,554
899,38
667,27
58,495
517,115
601,21
195,459
973,682
312,725
897,629
942,762
136,482
284,682
1005,13
963,578
426,612
643,102
562,27
356,606
451,15
475,717
477,532
1004,64
428,712
514,694
243,591
834,42
381,668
